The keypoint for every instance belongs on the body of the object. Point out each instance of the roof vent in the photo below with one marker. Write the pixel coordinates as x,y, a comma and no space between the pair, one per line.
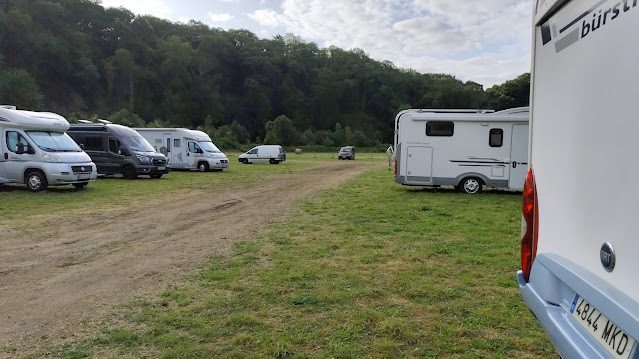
84,121
8,107
104,121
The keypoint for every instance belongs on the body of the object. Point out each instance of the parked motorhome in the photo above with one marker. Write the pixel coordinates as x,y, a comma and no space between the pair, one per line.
118,149
36,151
186,149
467,149
273,154
579,247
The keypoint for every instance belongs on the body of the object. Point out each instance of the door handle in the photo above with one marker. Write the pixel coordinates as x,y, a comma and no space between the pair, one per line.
514,164
6,156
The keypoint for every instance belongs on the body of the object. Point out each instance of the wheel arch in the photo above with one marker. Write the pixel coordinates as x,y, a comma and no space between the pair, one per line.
466,175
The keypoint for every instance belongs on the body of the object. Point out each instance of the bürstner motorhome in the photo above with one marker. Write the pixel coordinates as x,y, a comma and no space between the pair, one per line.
579,249
36,151
467,149
186,149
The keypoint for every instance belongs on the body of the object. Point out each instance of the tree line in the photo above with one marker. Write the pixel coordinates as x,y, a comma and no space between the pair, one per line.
79,59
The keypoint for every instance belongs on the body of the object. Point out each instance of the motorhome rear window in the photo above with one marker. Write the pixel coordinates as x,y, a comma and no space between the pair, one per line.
496,137
442,129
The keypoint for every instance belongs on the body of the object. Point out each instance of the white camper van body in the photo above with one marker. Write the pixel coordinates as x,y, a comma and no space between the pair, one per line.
467,149
186,149
49,156
580,246
273,154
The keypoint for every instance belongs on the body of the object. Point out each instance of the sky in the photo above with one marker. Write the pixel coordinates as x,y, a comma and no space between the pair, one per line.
486,41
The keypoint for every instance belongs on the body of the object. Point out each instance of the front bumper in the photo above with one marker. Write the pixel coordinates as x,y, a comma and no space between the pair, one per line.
218,164
65,174
151,170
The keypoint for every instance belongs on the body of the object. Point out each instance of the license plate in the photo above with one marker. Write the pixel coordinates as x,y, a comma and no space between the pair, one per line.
84,177
608,334
162,168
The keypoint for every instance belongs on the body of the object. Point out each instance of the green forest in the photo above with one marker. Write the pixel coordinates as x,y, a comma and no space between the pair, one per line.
76,58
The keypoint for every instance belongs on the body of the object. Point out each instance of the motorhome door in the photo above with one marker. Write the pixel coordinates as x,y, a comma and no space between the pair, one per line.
166,146
518,157
4,157
419,165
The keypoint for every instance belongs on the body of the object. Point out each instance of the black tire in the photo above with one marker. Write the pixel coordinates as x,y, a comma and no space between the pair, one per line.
128,172
272,161
203,167
80,185
36,181
157,176
471,185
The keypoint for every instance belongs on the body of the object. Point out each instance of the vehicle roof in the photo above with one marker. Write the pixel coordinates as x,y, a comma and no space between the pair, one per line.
33,120
544,8
519,114
111,128
195,134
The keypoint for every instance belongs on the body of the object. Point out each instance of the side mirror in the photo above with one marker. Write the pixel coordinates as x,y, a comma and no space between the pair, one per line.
82,146
20,149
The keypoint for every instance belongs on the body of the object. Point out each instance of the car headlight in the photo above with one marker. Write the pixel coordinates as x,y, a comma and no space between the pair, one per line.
144,159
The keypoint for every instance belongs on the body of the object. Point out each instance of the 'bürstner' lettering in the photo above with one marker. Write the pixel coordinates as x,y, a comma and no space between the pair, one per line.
601,18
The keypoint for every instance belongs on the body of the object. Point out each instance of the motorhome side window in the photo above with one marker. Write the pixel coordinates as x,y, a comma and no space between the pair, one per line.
13,139
176,143
193,147
92,143
496,137
440,129
114,145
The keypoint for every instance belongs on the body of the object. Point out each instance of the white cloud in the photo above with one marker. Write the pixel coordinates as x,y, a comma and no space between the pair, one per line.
217,18
266,18
486,41
156,8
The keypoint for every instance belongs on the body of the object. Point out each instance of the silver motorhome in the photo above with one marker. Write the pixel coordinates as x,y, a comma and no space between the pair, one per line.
467,149
36,151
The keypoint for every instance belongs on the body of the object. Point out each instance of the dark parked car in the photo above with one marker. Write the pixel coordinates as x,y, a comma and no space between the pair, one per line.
346,153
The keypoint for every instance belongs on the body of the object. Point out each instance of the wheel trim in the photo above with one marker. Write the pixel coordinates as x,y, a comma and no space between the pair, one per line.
35,182
471,186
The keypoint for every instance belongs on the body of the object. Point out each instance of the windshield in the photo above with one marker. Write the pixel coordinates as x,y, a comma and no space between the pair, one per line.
209,147
54,141
138,144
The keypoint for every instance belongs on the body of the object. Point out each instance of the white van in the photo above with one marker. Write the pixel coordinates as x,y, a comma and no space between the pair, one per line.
466,149
186,149
273,154
580,249
36,151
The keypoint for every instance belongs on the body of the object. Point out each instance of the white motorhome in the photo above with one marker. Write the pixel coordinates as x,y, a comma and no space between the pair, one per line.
273,154
579,249
467,149
35,150
186,149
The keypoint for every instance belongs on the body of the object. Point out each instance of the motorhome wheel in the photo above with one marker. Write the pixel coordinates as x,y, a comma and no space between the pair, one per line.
203,166
36,181
471,185
272,161
156,176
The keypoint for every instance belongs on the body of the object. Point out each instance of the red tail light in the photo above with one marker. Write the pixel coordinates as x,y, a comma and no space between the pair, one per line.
395,168
530,214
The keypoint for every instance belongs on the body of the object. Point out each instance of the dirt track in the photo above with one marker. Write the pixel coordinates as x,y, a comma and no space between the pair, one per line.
65,270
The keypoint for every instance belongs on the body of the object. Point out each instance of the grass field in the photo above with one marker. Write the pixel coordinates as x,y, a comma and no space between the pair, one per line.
18,204
369,269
